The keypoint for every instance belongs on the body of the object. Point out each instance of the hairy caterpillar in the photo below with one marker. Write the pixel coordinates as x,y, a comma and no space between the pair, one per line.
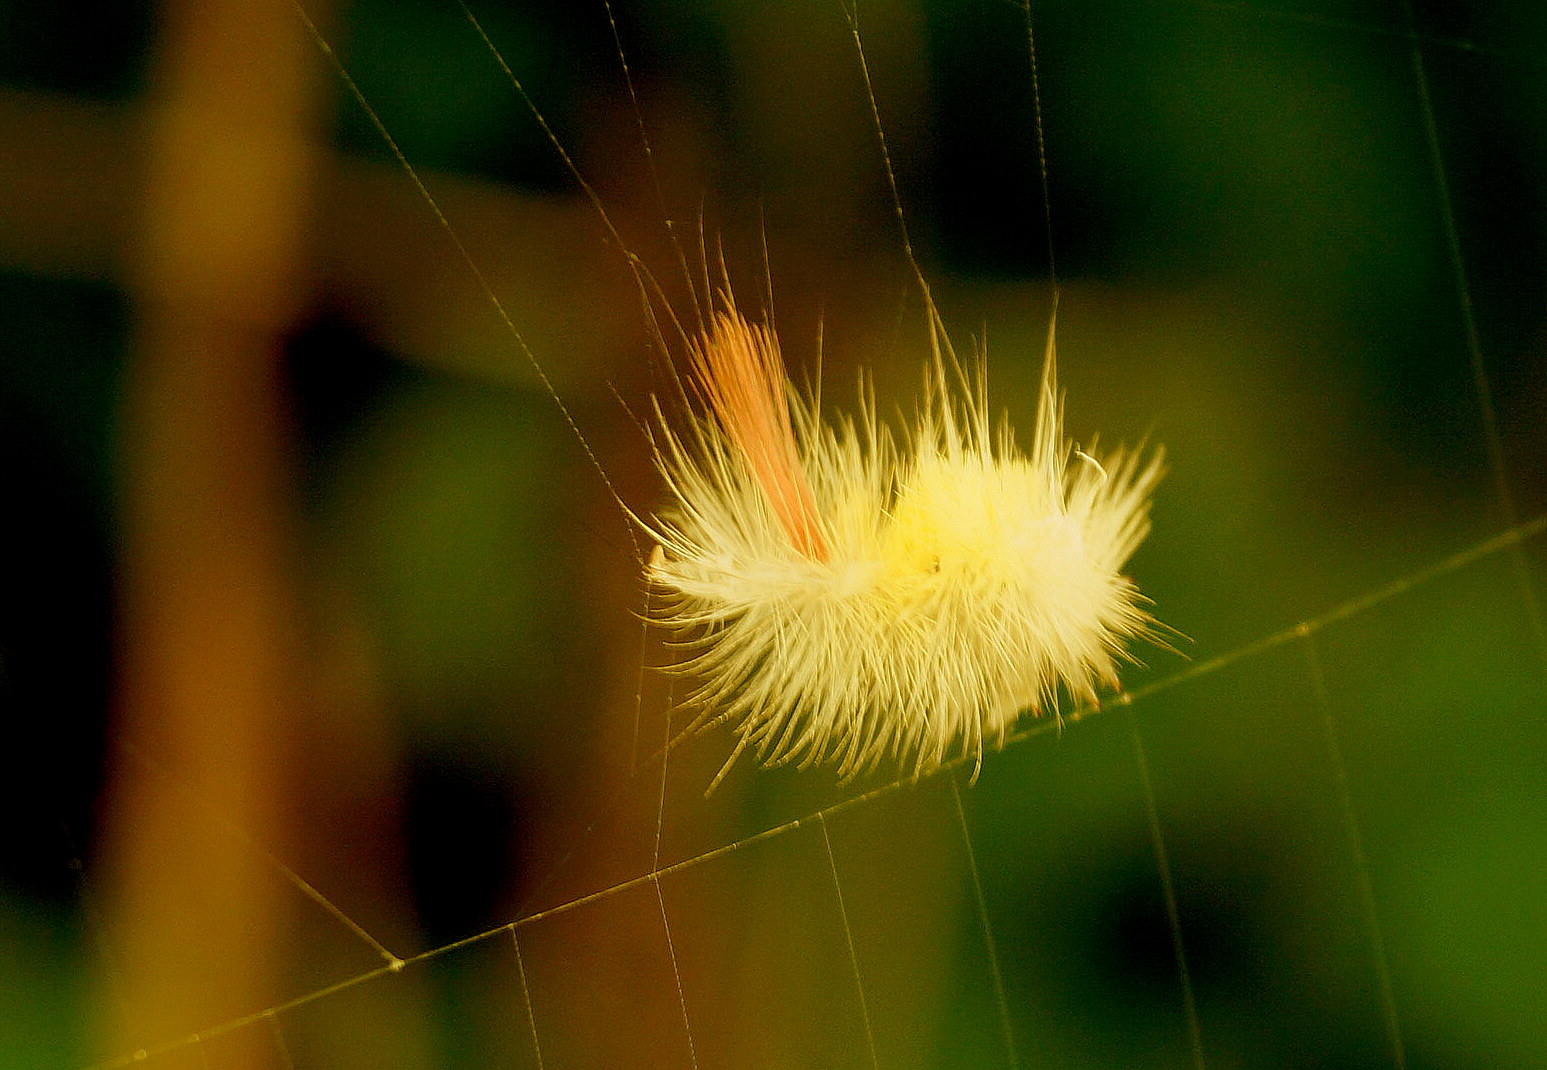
851,594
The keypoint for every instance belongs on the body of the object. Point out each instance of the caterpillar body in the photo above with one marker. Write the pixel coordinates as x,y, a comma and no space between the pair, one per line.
851,594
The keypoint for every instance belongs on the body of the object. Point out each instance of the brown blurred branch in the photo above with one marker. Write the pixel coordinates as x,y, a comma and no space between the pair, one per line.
208,622
72,179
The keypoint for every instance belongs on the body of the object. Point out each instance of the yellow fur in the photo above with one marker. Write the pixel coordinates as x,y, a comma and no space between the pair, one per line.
962,580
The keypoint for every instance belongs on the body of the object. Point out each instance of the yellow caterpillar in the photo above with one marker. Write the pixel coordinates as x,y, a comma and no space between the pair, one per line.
852,594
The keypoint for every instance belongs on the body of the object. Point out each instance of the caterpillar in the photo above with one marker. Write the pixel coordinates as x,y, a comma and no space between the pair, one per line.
852,594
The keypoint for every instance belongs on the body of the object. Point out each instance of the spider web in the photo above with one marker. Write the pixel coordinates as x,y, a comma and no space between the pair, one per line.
1312,842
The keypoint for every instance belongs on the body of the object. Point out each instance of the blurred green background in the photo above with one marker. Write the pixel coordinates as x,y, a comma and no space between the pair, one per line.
1301,243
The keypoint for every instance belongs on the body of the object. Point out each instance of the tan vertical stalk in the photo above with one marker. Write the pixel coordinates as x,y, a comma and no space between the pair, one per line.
207,582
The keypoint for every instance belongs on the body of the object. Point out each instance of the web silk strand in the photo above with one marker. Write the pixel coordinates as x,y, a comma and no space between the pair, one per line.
301,884
1482,388
1168,893
676,974
285,1061
1354,841
848,935
1036,113
526,997
990,945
